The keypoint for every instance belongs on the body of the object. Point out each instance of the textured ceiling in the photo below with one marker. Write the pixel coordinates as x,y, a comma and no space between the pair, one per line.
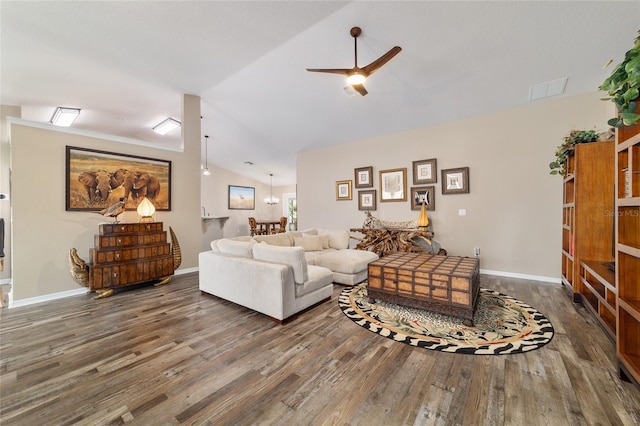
127,64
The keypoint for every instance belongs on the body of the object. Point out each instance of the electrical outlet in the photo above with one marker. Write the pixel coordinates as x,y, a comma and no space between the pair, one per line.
476,251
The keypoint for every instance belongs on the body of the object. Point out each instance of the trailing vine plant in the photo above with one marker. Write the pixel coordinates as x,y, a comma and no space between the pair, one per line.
623,87
558,167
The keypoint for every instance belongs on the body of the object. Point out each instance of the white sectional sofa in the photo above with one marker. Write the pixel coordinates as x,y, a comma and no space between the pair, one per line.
281,274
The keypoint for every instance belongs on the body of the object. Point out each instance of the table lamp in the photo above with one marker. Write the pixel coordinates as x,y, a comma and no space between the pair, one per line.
146,209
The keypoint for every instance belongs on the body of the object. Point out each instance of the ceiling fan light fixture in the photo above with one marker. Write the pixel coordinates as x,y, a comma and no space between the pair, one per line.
356,78
166,126
64,117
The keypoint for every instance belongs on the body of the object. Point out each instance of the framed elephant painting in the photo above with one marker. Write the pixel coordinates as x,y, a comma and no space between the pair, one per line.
98,179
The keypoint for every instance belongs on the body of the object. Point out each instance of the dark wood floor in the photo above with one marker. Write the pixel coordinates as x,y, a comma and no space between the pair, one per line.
171,355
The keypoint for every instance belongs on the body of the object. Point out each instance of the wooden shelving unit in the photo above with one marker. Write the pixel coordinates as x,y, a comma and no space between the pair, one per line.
587,225
599,283
627,164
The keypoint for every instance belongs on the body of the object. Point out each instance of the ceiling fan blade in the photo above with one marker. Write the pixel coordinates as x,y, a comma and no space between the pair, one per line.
373,66
360,89
342,71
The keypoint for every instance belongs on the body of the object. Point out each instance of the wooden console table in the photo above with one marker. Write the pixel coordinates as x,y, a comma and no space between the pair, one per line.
445,284
384,241
128,253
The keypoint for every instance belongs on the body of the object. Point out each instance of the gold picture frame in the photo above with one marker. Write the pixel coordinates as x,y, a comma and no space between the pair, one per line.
455,181
343,190
367,200
425,171
393,185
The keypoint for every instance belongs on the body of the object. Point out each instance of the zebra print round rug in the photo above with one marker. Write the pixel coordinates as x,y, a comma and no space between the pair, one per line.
503,325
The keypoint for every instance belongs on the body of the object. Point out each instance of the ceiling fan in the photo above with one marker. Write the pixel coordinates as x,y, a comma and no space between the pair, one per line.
356,76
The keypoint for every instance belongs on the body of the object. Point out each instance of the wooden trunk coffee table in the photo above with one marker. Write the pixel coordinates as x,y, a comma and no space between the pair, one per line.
445,284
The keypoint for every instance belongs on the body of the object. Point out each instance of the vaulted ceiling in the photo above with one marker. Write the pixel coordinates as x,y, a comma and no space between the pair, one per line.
126,64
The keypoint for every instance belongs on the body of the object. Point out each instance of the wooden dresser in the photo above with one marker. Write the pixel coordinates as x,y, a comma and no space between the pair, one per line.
127,254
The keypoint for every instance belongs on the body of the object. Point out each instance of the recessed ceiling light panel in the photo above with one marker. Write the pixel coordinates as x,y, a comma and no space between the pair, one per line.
64,117
166,126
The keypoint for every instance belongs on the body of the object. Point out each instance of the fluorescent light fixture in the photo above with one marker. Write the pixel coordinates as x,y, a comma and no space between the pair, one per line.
65,116
356,78
166,126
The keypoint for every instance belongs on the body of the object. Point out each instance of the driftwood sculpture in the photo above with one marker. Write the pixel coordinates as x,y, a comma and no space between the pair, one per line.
79,269
385,237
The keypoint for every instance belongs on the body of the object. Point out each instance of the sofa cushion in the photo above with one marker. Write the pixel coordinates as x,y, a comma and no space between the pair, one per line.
292,256
337,239
309,243
236,248
346,261
325,241
319,277
281,239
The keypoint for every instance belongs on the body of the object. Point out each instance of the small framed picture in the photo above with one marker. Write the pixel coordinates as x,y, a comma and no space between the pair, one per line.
343,190
367,200
423,194
455,181
393,185
242,197
364,177
425,171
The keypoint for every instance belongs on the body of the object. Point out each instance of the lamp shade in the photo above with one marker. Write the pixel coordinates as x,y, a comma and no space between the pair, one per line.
146,209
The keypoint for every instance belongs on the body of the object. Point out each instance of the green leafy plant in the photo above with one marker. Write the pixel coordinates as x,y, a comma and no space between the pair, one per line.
623,87
574,137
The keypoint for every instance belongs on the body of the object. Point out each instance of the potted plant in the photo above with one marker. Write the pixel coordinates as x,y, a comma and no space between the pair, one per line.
558,167
623,85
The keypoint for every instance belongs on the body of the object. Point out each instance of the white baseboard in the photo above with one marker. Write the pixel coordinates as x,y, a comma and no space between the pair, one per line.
69,293
46,298
186,271
80,291
521,276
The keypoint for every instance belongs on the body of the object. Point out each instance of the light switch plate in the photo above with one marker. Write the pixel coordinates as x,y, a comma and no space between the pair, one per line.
462,212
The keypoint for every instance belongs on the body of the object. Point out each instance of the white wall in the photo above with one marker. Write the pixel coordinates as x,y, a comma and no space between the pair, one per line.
215,201
514,205
43,232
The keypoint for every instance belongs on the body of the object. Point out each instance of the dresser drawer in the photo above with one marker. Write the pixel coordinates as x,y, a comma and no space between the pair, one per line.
129,228
103,256
128,273
129,240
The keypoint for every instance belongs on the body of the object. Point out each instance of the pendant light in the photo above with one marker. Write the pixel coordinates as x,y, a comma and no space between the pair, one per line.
206,171
271,200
